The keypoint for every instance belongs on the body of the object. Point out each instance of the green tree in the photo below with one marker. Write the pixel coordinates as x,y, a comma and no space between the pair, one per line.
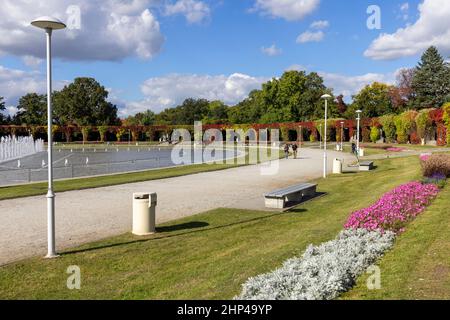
32,110
2,109
374,100
217,113
431,81
84,103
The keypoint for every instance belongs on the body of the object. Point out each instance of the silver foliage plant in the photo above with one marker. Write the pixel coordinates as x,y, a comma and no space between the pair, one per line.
323,272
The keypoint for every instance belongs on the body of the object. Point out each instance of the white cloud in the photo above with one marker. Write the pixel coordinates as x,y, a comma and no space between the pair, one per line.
171,90
320,24
404,7
271,51
309,36
194,11
291,10
110,29
296,67
32,61
431,28
350,85
15,83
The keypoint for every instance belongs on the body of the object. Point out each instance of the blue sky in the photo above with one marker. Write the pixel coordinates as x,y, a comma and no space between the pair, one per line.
152,54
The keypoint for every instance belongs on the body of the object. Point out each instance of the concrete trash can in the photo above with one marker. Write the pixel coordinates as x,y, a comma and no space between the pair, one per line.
337,166
361,152
144,213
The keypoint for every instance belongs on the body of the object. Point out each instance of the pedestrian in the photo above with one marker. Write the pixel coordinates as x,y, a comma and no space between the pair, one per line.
295,150
286,151
353,148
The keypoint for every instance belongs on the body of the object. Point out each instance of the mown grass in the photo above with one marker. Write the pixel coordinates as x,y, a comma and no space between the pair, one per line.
207,256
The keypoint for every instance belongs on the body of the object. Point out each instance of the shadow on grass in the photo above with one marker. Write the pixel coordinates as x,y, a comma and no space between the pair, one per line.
201,226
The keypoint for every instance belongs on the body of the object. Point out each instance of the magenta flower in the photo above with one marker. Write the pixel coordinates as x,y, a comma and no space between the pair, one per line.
395,209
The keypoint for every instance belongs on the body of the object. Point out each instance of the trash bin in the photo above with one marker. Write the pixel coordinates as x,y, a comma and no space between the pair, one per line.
361,152
337,166
144,213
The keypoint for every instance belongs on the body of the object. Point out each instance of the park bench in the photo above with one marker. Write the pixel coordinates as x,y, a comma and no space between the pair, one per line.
279,199
366,166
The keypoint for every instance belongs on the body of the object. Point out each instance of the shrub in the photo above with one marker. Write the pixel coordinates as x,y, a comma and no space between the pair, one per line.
438,179
389,128
436,164
395,209
323,272
404,124
374,134
423,123
446,118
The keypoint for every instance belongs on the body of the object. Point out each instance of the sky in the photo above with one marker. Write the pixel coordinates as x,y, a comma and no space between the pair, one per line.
153,54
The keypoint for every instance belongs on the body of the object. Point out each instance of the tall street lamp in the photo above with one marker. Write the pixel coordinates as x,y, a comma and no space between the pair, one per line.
325,160
49,24
342,135
358,112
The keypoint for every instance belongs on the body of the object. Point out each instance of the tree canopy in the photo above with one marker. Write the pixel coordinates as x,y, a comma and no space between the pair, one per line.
293,97
431,81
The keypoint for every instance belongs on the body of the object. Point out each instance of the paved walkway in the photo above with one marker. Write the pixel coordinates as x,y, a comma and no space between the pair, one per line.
88,215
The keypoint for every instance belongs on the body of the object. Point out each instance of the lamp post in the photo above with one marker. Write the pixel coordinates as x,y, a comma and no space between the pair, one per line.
325,160
49,24
342,136
320,136
358,112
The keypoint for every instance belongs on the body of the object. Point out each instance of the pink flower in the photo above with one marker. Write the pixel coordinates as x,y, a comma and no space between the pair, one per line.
395,209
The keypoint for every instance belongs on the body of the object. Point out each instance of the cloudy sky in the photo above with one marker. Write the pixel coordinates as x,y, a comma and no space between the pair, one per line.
152,54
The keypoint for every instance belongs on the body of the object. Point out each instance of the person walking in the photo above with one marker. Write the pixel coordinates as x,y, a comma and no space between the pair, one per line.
295,150
286,151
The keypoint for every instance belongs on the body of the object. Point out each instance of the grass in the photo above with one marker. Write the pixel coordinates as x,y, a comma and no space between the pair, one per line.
207,256
419,265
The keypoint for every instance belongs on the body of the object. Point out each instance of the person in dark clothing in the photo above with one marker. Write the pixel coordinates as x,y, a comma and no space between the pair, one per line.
353,148
295,150
286,151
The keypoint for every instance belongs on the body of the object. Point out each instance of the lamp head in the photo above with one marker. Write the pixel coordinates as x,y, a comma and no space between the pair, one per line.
326,97
48,23
358,111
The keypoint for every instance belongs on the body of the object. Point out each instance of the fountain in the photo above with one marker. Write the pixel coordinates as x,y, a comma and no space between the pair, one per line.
12,148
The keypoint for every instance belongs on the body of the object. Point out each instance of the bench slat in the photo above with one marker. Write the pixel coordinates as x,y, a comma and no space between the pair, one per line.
290,190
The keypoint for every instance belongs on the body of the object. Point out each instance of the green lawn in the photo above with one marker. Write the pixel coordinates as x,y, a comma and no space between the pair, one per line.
419,265
207,256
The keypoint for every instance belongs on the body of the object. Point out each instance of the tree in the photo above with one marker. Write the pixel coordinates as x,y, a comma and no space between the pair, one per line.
374,100
146,118
431,81
84,103
32,110
2,109
341,105
217,113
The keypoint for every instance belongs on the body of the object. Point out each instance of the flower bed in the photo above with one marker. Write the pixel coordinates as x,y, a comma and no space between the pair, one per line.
323,272
436,164
326,271
395,209
395,149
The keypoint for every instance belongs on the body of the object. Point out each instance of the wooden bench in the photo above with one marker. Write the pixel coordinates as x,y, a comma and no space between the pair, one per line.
366,166
278,199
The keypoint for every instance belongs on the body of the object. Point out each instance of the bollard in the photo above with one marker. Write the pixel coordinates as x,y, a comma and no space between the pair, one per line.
144,213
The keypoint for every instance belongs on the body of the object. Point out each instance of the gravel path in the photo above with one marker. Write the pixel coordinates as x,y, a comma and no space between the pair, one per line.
88,215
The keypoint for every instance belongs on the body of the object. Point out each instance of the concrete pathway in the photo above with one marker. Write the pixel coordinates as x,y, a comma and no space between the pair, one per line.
88,215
